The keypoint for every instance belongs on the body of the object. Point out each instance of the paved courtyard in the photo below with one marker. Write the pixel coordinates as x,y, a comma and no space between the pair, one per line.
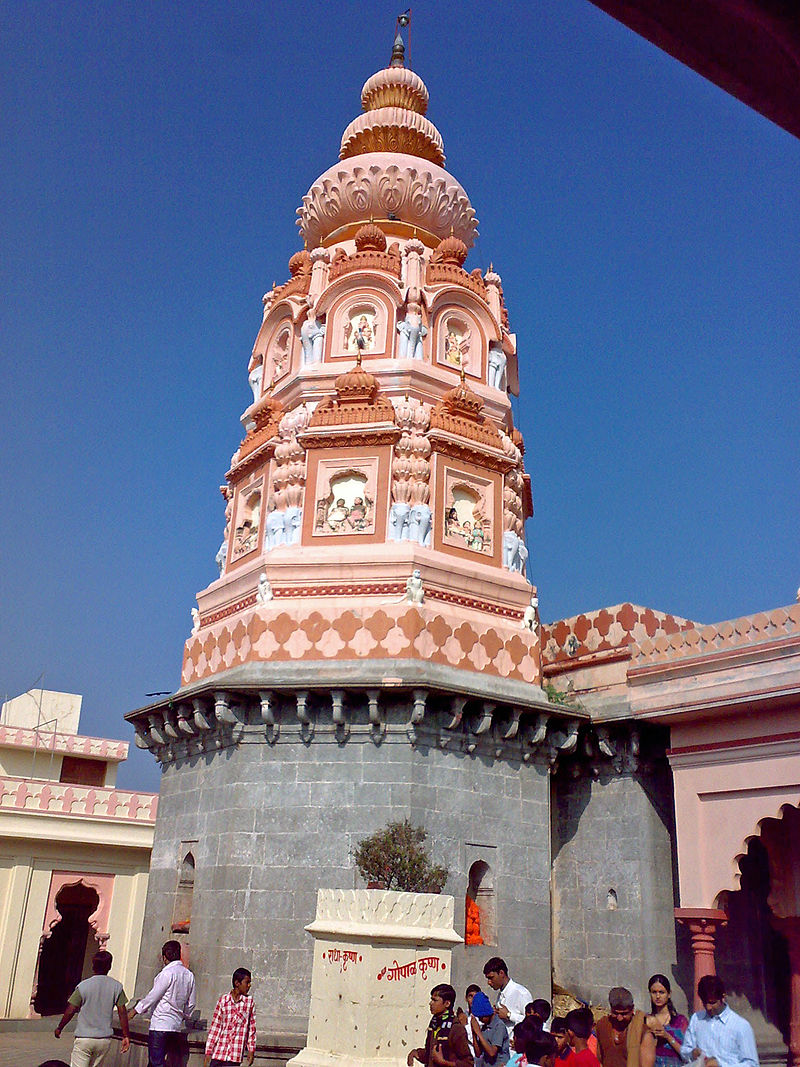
31,1048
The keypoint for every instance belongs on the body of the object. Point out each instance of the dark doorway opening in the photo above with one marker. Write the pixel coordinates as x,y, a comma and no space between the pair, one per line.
66,954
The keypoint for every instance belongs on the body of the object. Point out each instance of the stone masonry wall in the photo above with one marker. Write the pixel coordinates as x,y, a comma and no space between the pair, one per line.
611,834
270,824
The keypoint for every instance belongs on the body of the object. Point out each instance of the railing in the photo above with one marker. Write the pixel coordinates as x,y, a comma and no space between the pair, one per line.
61,744
86,802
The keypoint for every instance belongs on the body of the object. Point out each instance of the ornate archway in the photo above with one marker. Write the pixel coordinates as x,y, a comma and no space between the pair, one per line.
75,927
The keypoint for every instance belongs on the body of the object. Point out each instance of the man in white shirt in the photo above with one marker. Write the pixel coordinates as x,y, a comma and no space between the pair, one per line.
169,1004
717,1033
512,998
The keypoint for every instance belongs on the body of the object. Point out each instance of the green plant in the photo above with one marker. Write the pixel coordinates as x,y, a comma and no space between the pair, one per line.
555,696
396,858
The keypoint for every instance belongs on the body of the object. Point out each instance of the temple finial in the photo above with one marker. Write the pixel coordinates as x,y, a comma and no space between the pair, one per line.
399,48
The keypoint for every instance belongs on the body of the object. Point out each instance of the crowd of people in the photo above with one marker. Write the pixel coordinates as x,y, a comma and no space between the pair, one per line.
520,1031
515,1030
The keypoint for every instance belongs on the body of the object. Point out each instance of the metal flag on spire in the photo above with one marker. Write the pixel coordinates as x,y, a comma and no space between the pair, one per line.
399,48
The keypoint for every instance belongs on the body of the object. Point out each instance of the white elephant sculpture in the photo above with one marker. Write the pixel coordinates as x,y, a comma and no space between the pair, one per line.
419,524
276,529
398,521
412,333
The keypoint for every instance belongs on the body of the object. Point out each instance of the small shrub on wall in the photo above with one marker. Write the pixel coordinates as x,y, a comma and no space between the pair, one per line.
396,858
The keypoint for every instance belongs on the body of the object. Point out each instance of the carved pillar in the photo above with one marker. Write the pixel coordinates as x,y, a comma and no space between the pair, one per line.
320,258
703,924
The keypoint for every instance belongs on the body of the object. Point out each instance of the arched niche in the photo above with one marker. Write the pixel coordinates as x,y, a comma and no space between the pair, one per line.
248,508
361,320
468,513
480,920
182,909
460,336
279,352
348,506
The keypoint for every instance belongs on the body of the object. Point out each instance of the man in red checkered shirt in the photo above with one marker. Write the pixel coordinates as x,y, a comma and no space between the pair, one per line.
233,1027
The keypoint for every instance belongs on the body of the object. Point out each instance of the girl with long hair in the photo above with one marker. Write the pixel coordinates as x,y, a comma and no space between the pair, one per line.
662,1035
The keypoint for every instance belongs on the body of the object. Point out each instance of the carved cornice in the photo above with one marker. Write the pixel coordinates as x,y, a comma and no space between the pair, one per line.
395,87
450,274
366,588
455,445
393,129
461,426
389,262
259,452
213,718
344,436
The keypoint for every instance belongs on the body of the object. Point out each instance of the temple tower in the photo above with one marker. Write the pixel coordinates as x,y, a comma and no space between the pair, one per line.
370,650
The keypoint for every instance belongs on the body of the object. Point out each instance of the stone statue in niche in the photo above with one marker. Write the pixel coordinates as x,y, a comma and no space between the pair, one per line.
347,509
195,621
359,332
415,593
465,522
456,346
256,377
264,593
497,366
245,537
411,330
312,338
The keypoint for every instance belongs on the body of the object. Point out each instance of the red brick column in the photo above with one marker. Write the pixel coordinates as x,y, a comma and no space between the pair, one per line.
703,924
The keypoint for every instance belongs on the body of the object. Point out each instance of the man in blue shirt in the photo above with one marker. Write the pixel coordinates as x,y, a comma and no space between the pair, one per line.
724,1038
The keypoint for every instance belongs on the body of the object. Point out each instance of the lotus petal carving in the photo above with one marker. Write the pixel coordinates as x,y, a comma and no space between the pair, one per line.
377,184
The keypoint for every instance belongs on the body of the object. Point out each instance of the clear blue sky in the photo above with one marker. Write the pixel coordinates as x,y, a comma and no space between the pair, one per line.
645,224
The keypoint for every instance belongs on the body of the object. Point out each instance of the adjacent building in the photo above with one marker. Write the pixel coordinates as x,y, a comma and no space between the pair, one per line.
74,854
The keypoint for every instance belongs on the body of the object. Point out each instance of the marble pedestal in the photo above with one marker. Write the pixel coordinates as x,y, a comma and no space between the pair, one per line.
377,955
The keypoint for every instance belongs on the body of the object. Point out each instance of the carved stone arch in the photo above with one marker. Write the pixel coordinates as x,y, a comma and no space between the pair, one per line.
354,283
280,351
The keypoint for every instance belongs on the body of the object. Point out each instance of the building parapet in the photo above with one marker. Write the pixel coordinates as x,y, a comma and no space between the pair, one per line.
608,633
722,637
23,795
64,744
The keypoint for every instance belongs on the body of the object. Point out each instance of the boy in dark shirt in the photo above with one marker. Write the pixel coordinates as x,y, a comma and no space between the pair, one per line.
446,1039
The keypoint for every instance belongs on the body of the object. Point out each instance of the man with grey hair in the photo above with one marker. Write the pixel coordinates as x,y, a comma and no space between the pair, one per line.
619,1034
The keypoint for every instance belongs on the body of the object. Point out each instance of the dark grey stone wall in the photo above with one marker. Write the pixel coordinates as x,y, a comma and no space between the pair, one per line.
613,833
273,823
